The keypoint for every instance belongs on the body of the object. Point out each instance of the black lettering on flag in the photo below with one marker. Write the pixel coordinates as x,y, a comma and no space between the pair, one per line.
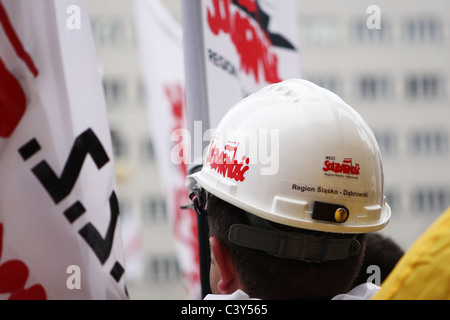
102,246
60,187
263,20
29,149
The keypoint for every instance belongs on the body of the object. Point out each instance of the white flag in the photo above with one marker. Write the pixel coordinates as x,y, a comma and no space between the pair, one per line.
160,43
60,232
232,49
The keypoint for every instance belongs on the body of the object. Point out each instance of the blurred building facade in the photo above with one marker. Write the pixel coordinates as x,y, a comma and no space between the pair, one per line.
389,60
151,266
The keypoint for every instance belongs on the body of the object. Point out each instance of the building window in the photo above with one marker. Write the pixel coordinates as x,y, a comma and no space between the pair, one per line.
374,87
319,32
118,145
363,34
424,86
155,210
115,91
429,143
142,94
162,269
329,82
147,150
124,206
108,31
431,200
393,199
387,141
423,30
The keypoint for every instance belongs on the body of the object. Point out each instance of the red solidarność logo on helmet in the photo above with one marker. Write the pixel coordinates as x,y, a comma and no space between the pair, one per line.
224,161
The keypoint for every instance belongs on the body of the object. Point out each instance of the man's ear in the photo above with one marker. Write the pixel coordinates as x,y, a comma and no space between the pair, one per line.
228,279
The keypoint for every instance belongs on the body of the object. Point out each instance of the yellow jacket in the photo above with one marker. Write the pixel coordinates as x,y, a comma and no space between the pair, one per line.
424,271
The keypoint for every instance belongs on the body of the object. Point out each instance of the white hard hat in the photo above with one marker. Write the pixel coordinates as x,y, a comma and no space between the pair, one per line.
296,154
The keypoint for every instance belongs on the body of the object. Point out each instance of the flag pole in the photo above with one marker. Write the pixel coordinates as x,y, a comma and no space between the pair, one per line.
196,112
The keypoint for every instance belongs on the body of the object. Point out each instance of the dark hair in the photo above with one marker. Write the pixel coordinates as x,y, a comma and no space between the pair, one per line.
265,276
381,251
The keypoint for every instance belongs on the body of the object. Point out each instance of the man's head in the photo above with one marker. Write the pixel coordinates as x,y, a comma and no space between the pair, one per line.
265,276
300,171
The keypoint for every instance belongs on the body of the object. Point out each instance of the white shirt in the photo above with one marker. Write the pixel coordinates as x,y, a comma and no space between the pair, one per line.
364,291
237,295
